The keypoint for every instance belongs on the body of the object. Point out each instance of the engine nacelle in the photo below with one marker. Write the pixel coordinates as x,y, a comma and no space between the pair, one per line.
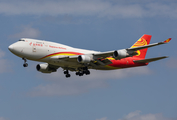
84,58
44,68
119,54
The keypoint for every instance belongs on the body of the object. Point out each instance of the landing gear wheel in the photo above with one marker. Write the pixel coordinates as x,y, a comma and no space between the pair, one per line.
87,72
66,72
77,73
81,73
68,75
25,65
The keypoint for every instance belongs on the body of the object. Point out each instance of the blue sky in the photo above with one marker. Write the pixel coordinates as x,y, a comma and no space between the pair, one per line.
144,93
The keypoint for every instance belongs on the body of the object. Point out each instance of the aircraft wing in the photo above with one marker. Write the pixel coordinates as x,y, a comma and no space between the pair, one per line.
129,50
102,55
98,60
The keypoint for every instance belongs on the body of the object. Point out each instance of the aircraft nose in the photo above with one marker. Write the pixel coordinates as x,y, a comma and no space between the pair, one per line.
16,49
10,47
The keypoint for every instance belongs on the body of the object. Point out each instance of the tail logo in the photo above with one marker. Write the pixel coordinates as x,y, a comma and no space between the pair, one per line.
140,42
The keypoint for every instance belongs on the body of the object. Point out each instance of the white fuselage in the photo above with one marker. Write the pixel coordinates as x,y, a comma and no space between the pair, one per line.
43,51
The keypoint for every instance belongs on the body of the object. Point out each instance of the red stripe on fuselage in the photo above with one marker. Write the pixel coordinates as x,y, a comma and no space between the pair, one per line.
63,53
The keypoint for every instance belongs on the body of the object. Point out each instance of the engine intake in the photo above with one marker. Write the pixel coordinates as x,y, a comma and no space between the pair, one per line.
44,68
119,54
84,58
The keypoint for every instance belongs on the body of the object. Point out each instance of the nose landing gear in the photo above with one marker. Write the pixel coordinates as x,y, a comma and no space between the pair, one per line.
25,62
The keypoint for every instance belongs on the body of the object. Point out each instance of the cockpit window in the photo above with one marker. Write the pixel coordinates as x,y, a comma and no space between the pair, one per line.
21,40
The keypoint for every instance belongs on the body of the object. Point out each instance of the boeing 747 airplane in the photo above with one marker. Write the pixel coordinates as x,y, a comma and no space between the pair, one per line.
55,55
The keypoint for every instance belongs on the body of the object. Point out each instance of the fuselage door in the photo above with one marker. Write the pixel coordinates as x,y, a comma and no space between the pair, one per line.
45,44
34,48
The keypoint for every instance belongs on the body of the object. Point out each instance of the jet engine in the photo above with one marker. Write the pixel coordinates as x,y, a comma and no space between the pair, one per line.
119,54
44,68
84,58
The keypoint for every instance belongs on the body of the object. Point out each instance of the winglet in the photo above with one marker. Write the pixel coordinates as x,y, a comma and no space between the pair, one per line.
168,40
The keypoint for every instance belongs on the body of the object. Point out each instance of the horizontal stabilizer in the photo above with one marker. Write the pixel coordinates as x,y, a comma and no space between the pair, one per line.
150,60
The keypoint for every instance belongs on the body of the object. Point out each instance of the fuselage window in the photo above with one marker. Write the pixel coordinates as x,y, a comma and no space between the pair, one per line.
22,40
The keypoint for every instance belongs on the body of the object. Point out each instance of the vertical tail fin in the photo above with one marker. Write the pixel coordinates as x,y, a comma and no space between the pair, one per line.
144,40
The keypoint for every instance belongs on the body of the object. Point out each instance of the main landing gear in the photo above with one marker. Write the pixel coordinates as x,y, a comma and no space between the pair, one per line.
25,62
66,72
81,72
